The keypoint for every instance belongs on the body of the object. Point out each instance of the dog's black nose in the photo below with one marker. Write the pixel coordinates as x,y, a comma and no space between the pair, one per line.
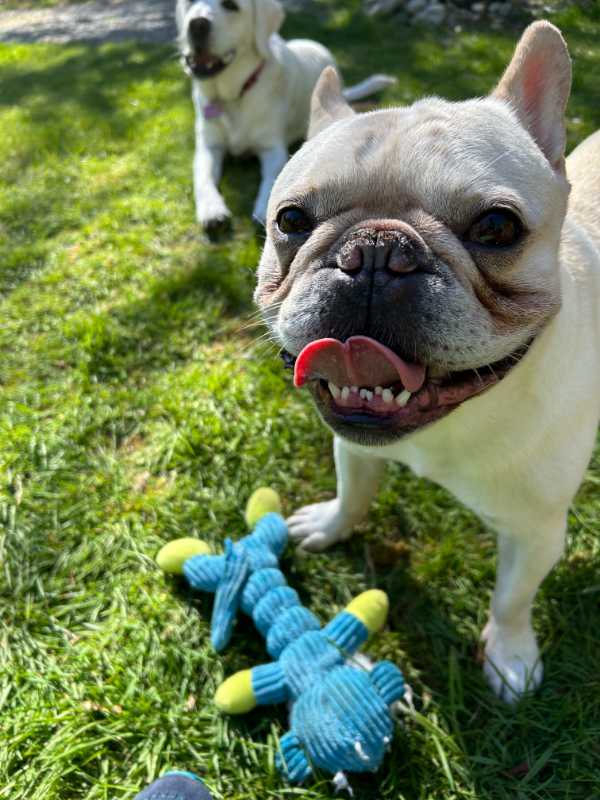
392,250
199,30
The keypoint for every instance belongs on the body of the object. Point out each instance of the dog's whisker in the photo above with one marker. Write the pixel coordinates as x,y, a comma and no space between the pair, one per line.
256,346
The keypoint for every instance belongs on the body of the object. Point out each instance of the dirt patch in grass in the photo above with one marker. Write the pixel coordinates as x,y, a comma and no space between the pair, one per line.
98,21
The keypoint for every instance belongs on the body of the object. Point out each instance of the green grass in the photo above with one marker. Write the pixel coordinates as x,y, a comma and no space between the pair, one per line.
136,406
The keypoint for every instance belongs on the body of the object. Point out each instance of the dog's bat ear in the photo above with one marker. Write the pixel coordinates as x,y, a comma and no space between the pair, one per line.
328,103
537,84
268,19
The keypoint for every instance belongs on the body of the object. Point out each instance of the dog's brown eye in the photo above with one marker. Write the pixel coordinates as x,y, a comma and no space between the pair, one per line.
496,228
294,221
229,5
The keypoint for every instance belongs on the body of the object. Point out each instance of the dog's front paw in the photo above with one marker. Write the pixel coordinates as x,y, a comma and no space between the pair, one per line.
319,526
214,216
512,662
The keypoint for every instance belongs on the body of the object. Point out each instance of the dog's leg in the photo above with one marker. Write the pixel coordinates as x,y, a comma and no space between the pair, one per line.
211,210
512,664
317,527
272,161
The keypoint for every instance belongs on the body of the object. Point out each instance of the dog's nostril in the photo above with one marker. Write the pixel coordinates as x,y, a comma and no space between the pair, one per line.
391,251
401,260
199,29
350,259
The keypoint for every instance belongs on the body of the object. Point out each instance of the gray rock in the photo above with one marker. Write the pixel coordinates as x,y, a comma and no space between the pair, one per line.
414,6
384,7
499,9
433,14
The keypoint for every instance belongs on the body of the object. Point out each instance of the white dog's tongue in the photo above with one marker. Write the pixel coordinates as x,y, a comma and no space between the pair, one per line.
360,361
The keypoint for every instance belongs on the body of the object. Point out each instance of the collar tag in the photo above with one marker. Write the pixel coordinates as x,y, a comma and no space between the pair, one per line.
213,110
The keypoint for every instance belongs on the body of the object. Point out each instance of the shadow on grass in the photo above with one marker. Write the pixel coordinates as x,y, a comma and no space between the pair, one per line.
548,742
196,300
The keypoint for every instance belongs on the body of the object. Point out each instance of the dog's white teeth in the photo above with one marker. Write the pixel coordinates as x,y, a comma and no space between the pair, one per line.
354,389
387,396
379,391
345,393
334,390
363,394
369,395
403,398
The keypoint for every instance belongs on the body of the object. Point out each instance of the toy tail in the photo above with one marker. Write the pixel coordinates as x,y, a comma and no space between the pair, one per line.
372,85
228,596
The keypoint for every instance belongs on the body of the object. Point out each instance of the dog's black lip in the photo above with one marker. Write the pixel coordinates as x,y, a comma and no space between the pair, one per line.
289,360
203,73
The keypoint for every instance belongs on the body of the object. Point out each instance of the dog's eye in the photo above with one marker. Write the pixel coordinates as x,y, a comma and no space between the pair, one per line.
294,221
229,5
496,228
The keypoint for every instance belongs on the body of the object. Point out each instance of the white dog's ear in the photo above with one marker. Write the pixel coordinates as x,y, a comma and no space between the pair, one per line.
537,84
268,19
328,103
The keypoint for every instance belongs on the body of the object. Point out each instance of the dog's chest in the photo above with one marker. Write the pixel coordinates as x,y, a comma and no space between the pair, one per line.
241,129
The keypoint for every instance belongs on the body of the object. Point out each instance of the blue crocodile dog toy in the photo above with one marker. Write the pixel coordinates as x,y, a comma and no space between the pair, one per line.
341,712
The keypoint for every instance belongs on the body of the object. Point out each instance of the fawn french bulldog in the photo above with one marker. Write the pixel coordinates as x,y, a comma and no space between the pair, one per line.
434,273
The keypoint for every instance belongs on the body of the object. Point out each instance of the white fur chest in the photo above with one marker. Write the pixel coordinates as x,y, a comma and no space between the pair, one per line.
241,126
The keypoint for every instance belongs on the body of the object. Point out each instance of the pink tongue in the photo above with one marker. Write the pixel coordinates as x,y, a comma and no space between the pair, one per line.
360,361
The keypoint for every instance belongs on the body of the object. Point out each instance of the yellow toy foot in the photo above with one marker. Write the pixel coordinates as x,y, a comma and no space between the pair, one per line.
173,555
262,502
236,695
371,608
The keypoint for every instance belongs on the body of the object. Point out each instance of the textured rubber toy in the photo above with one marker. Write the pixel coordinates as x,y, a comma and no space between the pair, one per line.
341,713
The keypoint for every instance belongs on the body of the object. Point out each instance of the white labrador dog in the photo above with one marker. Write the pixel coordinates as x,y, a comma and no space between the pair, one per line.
251,92
434,272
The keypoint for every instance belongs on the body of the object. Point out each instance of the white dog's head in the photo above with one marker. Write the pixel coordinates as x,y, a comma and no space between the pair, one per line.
213,33
412,253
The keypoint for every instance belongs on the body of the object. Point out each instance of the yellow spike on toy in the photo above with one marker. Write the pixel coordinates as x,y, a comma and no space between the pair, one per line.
371,608
173,555
263,501
236,695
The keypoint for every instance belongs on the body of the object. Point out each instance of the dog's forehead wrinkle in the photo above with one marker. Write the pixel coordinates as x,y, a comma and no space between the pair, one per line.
452,160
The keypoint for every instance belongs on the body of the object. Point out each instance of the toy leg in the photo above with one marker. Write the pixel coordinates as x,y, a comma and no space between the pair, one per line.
176,786
317,527
512,664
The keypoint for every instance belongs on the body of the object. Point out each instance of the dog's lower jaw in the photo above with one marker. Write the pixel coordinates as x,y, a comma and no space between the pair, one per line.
512,661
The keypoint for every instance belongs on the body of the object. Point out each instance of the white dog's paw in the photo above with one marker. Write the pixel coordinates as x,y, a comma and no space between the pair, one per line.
319,526
213,214
512,662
